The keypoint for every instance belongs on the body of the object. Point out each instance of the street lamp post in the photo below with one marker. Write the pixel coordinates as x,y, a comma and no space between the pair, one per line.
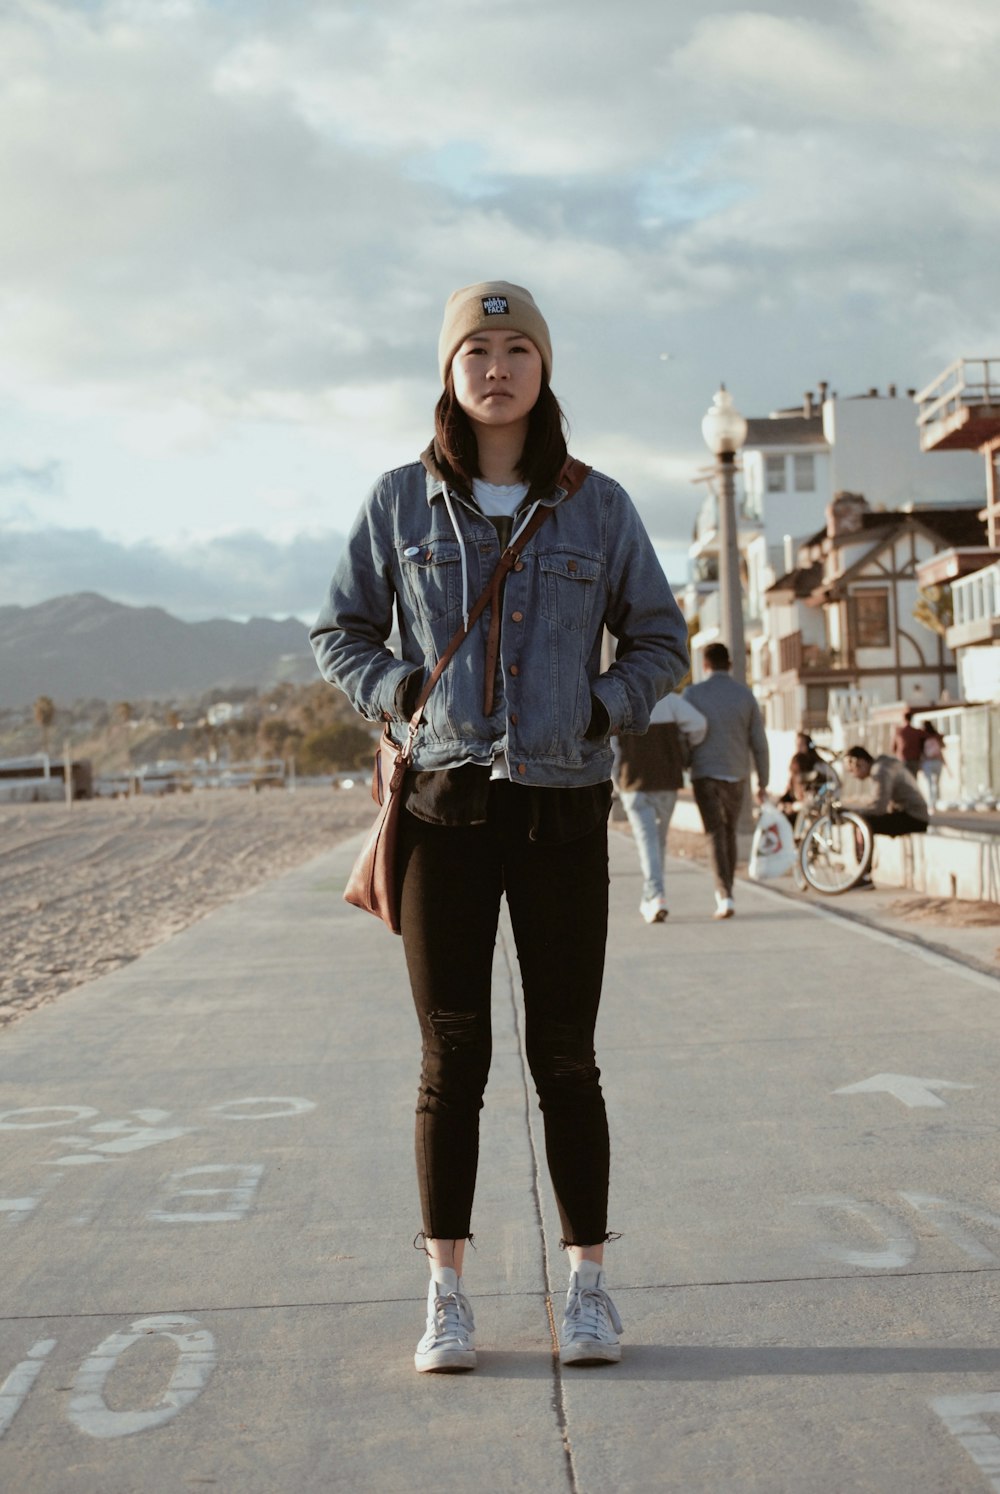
725,430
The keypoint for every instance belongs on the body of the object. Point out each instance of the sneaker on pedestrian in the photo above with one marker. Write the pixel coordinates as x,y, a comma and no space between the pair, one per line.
653,909
449,1344
724,906
591,1325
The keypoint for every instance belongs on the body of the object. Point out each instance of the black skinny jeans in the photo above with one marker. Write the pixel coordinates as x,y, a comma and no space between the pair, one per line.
452,878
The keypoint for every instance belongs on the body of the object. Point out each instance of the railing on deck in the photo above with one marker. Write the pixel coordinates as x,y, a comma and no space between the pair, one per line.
976,597
966,383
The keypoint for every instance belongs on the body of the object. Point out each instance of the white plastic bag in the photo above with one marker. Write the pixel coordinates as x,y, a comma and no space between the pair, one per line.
772,853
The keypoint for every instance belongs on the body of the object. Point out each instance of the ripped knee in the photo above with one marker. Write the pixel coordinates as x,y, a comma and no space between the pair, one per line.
562,1053
455,1030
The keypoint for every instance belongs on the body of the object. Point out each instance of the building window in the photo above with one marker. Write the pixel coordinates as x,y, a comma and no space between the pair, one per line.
805,474
871,619
774,474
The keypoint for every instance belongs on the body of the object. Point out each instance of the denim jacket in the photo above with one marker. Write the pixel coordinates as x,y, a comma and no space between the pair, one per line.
590,565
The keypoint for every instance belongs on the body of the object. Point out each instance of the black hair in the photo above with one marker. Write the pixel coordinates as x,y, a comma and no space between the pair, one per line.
541,461
717,656
860,754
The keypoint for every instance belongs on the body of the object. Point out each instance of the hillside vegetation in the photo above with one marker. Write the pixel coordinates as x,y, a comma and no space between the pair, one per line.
310,725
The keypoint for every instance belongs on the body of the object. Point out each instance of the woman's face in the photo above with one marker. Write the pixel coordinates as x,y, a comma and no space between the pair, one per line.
497,377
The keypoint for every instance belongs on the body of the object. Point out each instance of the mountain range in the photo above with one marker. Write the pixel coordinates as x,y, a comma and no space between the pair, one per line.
86,647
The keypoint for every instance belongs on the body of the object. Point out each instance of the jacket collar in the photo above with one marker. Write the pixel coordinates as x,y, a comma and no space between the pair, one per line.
431,461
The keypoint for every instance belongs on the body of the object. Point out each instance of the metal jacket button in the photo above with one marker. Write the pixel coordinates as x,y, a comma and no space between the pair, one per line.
571,565
517,616
514,669
513,718
519,566
521,768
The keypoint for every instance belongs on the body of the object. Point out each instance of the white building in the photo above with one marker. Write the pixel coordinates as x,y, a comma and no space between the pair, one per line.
793,463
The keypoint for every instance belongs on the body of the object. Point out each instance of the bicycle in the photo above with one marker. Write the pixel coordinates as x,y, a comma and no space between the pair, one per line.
834,845
835,848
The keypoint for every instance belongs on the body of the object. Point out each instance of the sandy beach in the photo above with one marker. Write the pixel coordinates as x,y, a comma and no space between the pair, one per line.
86,889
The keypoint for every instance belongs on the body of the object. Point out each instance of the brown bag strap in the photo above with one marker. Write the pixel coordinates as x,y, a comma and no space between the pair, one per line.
571,480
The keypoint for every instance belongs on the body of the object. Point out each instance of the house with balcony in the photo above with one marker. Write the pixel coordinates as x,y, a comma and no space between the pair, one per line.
848,616
792,463
960,411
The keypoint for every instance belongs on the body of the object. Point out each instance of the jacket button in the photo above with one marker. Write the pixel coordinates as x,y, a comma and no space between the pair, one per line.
519,566
571,565
521,769
513,718
514,669
517,617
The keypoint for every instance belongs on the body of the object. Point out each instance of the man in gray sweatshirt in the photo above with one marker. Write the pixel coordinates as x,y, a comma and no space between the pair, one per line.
720,764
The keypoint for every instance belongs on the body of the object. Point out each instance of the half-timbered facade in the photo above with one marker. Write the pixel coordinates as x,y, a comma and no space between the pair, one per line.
845,616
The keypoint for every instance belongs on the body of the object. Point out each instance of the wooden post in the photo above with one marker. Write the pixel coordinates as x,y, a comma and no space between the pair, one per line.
68,772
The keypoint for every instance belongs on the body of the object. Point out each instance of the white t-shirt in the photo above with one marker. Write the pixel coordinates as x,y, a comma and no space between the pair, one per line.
499,501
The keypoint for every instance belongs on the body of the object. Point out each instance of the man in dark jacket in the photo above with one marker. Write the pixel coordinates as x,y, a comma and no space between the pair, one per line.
720,765
649,771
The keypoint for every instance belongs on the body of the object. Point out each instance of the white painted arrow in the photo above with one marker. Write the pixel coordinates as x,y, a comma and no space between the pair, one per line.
912,1091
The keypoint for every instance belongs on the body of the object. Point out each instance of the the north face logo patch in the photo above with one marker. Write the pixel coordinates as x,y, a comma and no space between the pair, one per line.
495,306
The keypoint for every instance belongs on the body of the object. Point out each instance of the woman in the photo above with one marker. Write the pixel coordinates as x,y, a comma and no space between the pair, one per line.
510,790
932,762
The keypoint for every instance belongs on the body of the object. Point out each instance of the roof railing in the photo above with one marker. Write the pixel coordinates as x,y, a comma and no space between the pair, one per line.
968,382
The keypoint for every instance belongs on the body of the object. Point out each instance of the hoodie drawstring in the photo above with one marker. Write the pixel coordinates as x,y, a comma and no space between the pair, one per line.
461,545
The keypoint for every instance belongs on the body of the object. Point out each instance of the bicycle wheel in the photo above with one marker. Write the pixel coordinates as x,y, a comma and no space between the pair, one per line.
836,851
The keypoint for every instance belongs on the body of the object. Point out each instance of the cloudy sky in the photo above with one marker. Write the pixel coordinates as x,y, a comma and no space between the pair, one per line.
230,226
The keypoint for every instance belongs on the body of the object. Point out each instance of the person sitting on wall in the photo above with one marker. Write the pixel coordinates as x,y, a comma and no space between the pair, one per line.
806,769
899,807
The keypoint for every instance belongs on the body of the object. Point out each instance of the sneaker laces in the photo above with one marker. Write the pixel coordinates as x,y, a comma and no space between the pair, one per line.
586,1310
452,1316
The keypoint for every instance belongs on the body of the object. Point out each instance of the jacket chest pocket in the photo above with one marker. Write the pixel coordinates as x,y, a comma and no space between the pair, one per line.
569,584
432,577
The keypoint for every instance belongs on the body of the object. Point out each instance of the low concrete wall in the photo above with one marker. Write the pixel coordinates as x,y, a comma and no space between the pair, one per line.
942,863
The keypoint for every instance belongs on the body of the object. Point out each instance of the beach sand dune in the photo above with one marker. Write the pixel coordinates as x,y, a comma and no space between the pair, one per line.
86,889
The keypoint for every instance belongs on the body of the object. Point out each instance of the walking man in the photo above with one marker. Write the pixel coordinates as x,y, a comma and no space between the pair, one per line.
650,770
908,743
720,764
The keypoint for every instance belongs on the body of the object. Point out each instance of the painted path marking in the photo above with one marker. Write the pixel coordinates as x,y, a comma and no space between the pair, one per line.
896,1241
913,1092
963,1416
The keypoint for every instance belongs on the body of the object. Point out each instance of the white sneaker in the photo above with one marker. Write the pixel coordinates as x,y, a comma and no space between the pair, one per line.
653,909
591,1325
724,906
449,1343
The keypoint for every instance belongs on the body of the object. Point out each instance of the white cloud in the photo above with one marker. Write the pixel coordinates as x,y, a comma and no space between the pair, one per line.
238,224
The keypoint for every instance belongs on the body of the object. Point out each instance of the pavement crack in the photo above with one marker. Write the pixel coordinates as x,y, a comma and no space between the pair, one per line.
558,1390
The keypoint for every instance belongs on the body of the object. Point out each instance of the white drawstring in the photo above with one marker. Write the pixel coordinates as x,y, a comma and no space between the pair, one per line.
461,546
524,524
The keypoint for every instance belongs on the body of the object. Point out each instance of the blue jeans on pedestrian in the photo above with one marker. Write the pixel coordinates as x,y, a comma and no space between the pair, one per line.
649,814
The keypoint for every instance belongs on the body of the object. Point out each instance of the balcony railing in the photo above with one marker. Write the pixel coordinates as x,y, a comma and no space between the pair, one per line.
976,598
961,407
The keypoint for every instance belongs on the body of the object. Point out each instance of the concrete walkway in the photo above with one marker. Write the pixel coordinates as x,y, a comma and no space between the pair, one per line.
207,1208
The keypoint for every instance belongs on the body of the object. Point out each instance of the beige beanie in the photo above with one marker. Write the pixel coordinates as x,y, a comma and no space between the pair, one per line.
492,303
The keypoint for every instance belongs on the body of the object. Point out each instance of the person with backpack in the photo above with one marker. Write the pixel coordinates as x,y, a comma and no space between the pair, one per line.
932,762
